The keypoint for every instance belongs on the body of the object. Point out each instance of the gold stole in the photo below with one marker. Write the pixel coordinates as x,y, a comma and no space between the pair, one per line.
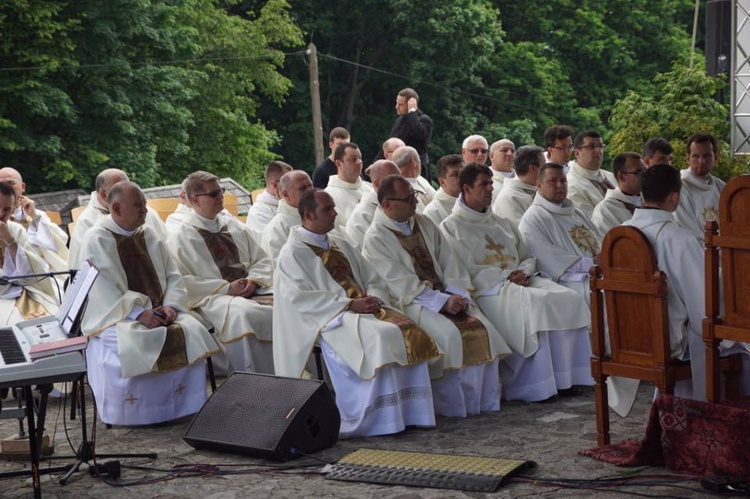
474,335
27,306
224,251
419,345
142,278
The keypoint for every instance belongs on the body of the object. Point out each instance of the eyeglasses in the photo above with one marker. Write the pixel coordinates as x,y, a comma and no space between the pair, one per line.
213,194
408,199
593,146
561,148
477,151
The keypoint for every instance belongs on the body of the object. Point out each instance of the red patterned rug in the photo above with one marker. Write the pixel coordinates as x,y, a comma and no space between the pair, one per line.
687,436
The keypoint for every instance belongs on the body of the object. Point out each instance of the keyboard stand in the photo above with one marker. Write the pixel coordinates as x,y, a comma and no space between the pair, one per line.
35,439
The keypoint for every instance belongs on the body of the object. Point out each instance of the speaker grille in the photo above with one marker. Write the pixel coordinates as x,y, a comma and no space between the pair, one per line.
266,416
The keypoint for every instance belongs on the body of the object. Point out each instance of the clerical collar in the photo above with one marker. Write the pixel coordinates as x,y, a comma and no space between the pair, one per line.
319,239
211,223
635,199
120,230
509,174
404,226
467,207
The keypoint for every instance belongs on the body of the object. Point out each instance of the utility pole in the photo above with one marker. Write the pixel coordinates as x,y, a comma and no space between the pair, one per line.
312,51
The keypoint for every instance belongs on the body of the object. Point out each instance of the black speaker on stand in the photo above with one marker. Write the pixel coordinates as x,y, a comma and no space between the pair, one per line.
718,37
266,416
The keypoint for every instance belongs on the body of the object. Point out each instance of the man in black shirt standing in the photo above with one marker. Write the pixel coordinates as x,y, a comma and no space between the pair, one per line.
413,126
327,167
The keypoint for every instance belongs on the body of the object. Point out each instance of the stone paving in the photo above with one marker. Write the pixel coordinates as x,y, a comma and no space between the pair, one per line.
548,433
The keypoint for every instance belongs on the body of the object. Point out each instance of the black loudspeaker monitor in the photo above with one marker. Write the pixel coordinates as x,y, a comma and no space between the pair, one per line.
266,416
718,36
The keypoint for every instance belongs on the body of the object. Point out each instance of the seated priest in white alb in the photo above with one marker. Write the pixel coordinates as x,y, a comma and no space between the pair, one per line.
144,357
409,163
227,275
426,279
376,357
347,187
291,187
588,183
23,299
620,203
502,153
266,205
361,218
518,192
562,239
99,208
699,198
681,258
47,239
544,323
446,170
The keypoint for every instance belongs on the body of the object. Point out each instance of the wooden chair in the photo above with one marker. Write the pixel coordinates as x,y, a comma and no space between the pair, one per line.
163,206
635,294
733,243
54,217
231,203
254,195
76,212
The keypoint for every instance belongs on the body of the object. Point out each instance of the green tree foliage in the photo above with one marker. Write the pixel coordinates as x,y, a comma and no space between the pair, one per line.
501,68
157,88
683,104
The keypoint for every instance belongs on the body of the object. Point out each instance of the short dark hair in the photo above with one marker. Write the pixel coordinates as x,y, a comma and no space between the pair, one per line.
556,132
338,133
549,166
588,134
657,144
701,138
525,157
387,188
308,203
7,190
619,163
469,173
658,182
277,168
447,162
409,93
340,151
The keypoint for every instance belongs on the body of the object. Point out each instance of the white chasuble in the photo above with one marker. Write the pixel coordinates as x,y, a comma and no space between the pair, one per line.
346,196
311,303
699,203
440,207
396,266
492,248
28,298
113,304
499,180
210,255
513,201
563,240
586,188
361,218
616,209
276,233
